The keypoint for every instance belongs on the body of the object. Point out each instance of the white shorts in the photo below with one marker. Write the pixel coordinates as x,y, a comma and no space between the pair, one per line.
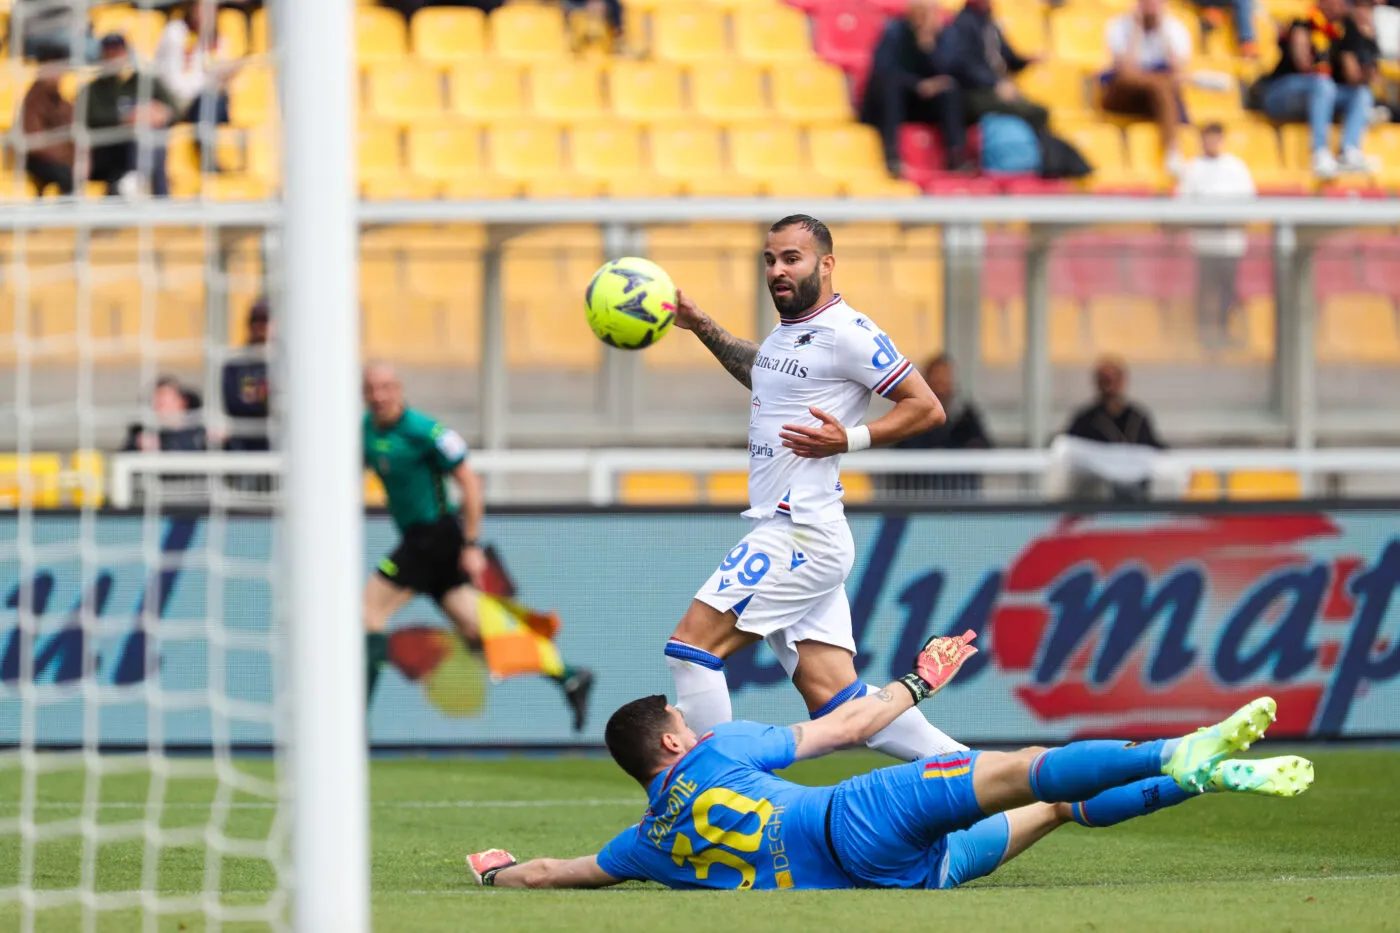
787,583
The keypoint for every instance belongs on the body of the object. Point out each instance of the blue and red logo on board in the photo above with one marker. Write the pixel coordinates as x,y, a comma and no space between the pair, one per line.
1156,626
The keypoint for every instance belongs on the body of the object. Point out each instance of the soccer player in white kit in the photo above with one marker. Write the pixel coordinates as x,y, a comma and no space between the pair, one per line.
785,582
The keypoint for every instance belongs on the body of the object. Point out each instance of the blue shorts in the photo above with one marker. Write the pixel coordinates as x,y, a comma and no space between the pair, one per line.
916,825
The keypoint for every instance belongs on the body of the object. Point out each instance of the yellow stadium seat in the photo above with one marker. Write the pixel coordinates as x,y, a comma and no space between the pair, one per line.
524,151
848,153
485,90
480,188
1264,484
1062,87
379,151
1067,338
379,274
526,32
687,34
771,34
374,494
1101,144
658,489
86,481
403,92
443,152
1145,156
405,330
811,92
30,480
446,35
1207,105
714,263
235,187
1256,142
1077,37
142,28
567,92
1024,30
646,91
1204,486
1295,141
727,488
380,35
728,92
1383,142
857,487
765,152
1358,328
400,187
689,153
233,33
1130,326
252,97
14,84
610,152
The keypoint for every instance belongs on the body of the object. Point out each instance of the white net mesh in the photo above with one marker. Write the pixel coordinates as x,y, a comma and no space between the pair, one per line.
139,652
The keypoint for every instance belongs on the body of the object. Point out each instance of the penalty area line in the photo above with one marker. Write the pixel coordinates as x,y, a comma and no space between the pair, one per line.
377,805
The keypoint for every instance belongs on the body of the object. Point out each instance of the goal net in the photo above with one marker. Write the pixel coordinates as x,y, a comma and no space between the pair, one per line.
148,685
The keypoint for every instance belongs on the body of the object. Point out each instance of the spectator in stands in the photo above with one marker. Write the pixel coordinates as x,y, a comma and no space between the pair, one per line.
58,28
1111,418
409,7
1302,89
1150,50
908,84
1355,60
123,97
188,63
586,16
962,430
978,57
1243,11
1216,174
245,386
46,120
176,427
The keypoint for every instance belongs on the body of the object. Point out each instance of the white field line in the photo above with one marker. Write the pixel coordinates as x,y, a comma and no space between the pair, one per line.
378,805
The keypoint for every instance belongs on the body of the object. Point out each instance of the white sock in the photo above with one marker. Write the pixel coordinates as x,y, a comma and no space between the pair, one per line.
702,693
911,737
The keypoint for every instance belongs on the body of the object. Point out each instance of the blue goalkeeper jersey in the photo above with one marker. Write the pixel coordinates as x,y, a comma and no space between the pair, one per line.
719,818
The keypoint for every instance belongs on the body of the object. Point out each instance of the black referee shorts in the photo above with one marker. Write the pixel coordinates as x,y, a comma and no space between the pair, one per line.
428,560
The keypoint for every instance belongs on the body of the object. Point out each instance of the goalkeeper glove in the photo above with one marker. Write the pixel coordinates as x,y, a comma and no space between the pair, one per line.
484,866
937,663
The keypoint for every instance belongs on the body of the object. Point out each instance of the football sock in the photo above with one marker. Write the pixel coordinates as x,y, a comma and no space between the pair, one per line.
702,693
1117,804
911,736
1080,770
513,648
376,653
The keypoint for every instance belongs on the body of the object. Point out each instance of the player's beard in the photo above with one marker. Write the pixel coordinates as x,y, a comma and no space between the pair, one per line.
804,295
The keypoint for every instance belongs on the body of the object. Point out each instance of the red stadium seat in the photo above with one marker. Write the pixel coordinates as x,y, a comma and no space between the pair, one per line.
846,33
1032,185
1004,267
954,185
921,151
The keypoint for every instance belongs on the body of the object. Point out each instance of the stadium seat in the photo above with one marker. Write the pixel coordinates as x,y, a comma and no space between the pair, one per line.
142,28
716,263
233,33
767,153
567,92
1264,484
691,154
252,97
381,35
527,32
374,495
771,34
1257,143
30,480
658,489
610,152
727,488
1061,87
646,91
689,34
444,152
85,483
1024,29
485,90
403,92
1077,37
1131,326
258,42
1358,328
849,153
728,92
845,33
811,92
524,150
379,155
1145,156
1204,486
1211,105
14,83
446,35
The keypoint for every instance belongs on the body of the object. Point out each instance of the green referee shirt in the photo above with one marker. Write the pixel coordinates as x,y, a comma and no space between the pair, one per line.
412,457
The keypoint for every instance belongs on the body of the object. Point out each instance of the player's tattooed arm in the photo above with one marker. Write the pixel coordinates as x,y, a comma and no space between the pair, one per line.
851,723
735,354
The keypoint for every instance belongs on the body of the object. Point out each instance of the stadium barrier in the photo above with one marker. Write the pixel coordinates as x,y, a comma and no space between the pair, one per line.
596,477
1134,622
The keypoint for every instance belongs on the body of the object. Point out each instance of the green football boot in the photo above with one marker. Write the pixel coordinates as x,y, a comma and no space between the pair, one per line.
1197,754
1287,776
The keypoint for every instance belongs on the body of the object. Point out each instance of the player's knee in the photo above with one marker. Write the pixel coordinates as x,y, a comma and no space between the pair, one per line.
706,628
1063,813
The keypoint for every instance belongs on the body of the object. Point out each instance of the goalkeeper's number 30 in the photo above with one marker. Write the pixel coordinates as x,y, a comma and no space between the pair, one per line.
682,850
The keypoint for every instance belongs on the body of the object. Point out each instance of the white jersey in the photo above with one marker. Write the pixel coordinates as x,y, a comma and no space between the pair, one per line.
832,359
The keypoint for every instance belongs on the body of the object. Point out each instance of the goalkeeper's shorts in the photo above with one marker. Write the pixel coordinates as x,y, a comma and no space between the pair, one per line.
429,559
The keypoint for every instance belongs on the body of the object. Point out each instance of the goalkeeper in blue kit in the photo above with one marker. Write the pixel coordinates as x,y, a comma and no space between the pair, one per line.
717,817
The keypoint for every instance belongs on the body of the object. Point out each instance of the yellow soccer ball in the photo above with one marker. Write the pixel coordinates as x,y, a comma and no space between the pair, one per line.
631,303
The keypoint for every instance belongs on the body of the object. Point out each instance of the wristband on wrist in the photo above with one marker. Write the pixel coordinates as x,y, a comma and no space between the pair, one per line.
857,438
918,688
488,877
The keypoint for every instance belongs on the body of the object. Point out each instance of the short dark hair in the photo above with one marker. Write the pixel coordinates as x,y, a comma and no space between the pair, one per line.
1214,126
820,234
633,736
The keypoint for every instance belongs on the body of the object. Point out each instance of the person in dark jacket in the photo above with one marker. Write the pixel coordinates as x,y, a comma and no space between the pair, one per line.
908,84
47,122
120,97
245,387
963,430
977,55
177,428
1111,418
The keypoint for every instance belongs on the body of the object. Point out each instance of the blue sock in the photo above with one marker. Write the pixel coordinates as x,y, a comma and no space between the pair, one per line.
1117,804
1080,770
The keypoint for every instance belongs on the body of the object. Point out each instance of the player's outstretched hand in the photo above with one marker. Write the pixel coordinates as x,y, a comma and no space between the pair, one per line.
688,314
936,664
826,440
485,865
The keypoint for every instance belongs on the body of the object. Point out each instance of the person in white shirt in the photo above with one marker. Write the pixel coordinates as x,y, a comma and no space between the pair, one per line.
188,61
785,581
1216,174
1150,50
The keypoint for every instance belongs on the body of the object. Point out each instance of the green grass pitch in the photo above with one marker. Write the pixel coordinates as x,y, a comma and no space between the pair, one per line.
1329,860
